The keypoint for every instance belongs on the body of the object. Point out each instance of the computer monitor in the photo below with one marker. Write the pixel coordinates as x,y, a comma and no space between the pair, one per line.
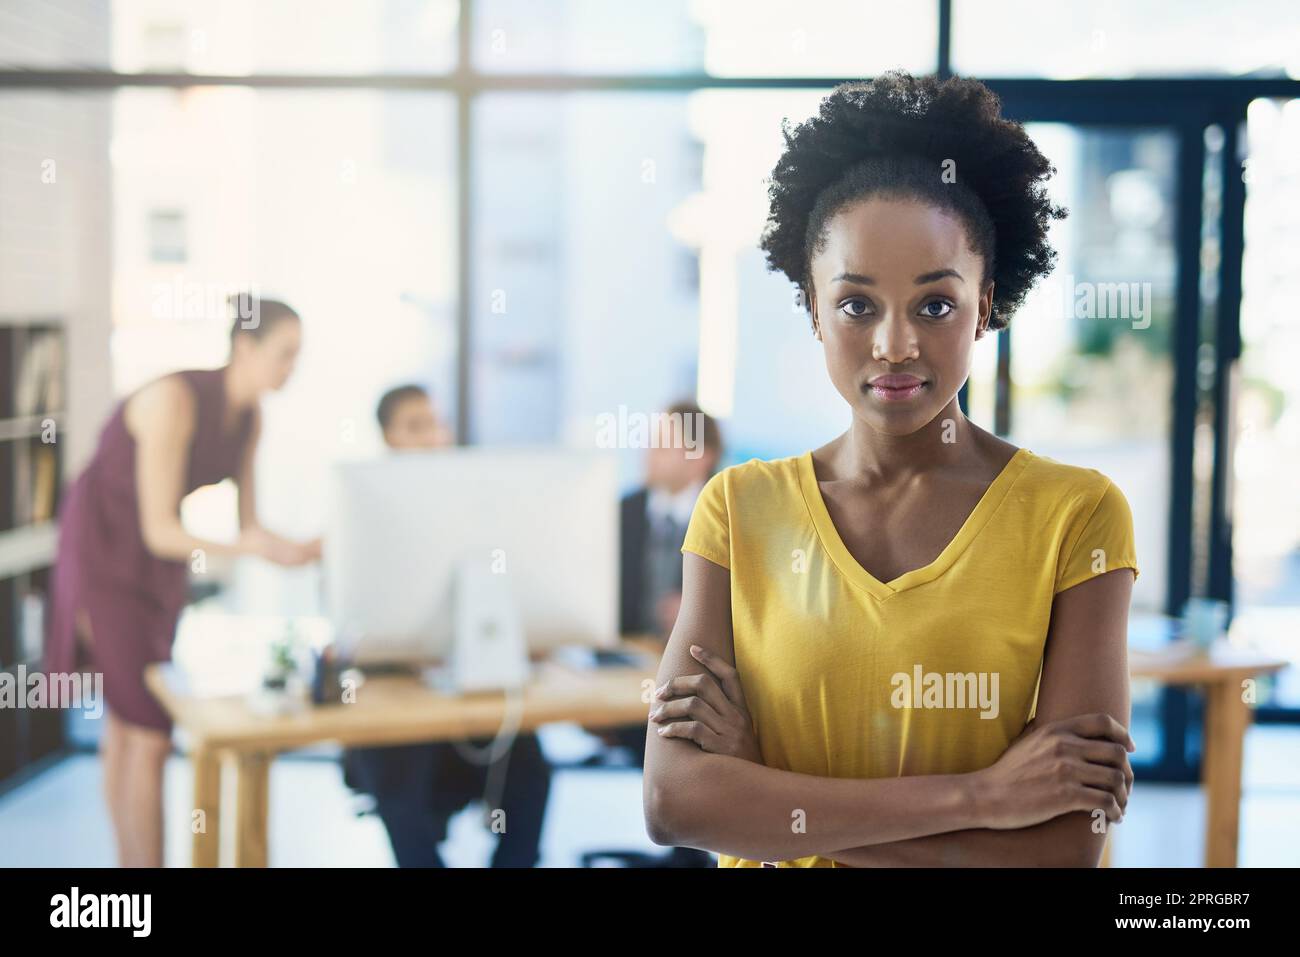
545,518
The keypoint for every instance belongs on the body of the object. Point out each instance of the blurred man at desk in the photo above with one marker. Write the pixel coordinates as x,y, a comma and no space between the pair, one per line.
687,450
654,519
418,787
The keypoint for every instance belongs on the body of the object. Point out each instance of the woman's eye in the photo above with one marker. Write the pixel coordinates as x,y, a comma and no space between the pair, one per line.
855,307
945,306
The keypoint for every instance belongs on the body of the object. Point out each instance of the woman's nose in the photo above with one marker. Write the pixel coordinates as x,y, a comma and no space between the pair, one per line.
894,340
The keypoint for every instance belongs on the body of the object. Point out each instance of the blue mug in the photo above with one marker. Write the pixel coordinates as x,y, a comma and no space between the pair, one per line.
1204,620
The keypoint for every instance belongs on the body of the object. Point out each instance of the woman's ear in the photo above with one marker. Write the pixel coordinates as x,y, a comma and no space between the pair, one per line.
985,312
811,298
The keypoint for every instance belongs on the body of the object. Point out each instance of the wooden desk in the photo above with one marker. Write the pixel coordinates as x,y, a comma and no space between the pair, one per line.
1221,670
387,710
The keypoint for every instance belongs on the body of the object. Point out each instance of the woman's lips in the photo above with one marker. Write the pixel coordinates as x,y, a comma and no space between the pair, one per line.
896,388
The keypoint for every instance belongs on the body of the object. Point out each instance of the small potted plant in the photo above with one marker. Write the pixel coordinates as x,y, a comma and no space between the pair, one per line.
282,689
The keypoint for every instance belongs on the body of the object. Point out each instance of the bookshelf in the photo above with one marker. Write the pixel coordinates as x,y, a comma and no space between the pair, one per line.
33,417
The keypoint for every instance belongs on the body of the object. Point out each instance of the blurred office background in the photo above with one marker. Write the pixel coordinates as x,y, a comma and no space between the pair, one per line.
547,210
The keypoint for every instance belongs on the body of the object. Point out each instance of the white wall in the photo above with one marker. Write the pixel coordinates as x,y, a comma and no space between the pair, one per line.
54,202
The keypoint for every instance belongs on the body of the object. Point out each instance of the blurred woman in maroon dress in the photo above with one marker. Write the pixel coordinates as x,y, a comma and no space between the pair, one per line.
122,573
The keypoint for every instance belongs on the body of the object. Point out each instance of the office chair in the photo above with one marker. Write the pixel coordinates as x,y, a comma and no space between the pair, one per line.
629,754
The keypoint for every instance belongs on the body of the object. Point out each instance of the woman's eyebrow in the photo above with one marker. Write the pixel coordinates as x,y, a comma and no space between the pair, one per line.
937,274
920,280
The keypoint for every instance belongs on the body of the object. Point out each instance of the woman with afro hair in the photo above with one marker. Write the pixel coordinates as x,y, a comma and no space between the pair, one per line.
905,647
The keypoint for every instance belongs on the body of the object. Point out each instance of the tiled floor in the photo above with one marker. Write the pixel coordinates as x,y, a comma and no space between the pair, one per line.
58,818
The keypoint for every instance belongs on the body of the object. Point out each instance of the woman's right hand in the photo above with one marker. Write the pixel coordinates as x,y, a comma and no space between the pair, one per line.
1074,764
258,541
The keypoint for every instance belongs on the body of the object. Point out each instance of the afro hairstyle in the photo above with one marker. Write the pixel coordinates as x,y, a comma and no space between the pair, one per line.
940,141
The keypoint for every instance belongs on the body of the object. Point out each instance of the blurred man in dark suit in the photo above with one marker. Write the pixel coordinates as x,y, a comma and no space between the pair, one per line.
687,452
655,516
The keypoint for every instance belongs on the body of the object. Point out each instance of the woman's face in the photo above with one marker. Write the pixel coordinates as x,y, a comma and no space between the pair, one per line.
271,357
896,292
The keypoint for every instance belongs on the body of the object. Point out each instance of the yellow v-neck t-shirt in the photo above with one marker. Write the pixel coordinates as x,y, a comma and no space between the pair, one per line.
934,672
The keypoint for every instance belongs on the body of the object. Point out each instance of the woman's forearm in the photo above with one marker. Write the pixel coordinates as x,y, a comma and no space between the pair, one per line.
743,809
174,543
271,537
1065,841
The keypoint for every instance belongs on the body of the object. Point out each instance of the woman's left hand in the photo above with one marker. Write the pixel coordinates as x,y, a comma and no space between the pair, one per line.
708,709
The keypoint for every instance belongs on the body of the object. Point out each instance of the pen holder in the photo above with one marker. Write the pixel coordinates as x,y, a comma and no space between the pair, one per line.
327,686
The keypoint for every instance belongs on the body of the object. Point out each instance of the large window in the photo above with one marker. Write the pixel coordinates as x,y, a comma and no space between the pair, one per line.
1265,507
616,264
585,297
726,38
1117,38
1091,370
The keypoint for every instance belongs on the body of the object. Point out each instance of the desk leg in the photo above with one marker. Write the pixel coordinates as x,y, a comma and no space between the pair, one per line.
205,826
1226,720
252,804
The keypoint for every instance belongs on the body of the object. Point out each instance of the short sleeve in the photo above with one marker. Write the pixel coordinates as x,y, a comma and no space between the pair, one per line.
708,533
1105,544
